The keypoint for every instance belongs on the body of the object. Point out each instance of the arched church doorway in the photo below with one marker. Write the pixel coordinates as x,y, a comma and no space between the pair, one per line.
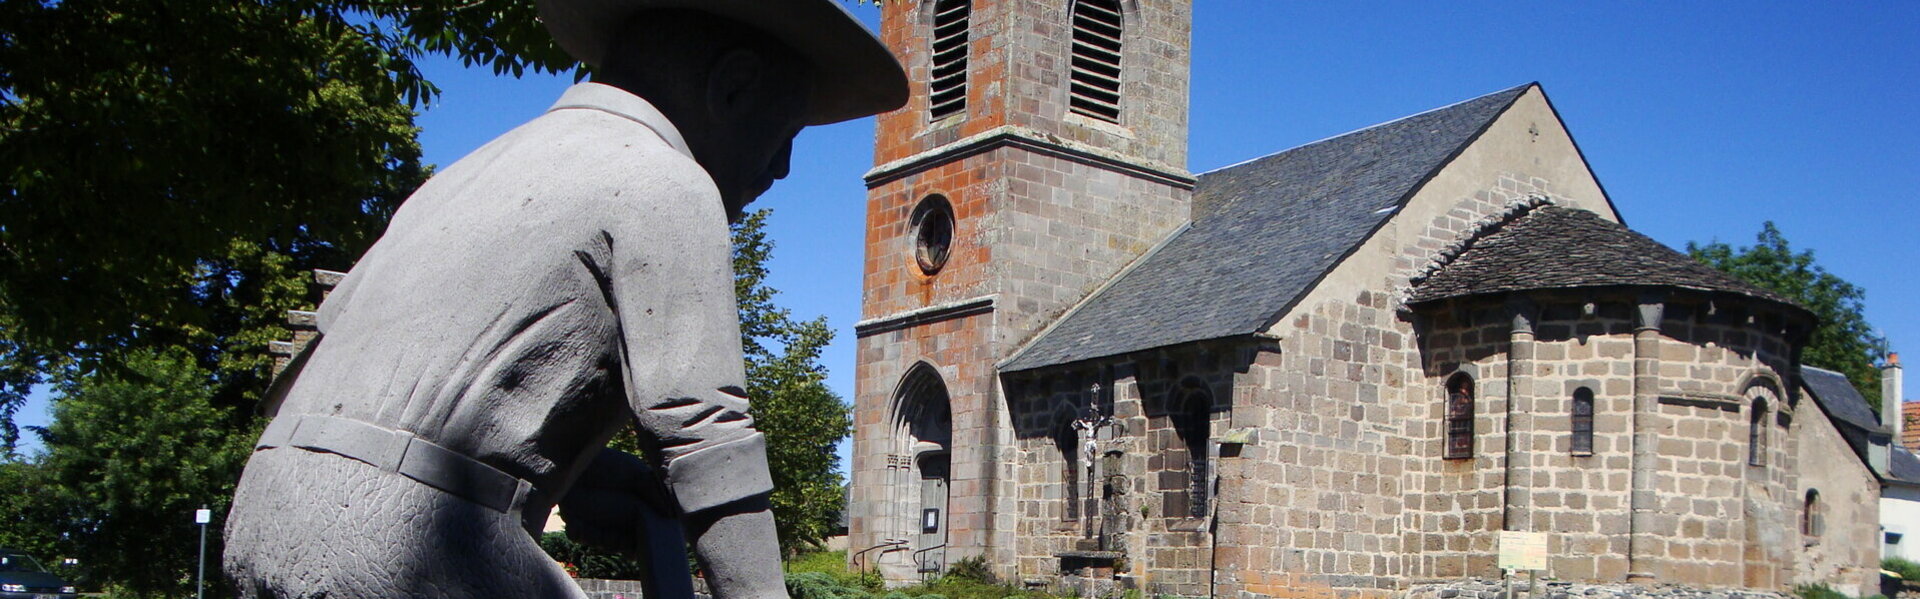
923,424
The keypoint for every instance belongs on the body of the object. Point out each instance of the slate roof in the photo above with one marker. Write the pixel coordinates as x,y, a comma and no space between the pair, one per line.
1903,466
1263,233
1553,247
1840,399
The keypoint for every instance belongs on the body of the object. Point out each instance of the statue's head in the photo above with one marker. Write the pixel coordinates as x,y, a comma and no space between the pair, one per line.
738,78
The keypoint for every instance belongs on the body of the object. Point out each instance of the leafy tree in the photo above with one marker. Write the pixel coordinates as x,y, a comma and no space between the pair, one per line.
171,174
143,140
802,418
131,453
1844,342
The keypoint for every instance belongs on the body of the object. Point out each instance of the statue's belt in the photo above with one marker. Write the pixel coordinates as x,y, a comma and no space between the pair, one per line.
402,453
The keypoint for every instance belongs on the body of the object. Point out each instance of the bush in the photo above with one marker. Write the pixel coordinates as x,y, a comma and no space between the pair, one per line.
821,585
824,575
972,568
1903,568
1818,591
587,562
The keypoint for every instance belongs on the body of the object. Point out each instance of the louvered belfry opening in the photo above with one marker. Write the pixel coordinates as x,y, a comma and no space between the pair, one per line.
949,94
1095,90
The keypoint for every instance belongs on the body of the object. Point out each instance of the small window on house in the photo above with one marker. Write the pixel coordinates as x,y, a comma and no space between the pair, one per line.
1582,421
1095,84
1810,521
932,224
1459,417
1757,434
948,94
1067,440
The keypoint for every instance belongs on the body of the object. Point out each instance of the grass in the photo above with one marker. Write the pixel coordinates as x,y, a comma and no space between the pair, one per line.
824,575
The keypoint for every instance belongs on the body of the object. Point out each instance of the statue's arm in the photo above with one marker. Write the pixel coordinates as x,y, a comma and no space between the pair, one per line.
671,281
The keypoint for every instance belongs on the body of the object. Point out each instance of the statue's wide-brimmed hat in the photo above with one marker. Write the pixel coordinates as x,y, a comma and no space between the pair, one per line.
854,75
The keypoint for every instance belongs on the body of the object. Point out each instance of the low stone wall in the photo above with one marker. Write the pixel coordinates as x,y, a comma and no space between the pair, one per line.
1481,588
598,588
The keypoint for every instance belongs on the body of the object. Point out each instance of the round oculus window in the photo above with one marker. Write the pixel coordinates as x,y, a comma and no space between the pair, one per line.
932,233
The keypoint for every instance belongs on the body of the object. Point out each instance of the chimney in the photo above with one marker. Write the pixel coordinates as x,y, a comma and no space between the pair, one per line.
1891,396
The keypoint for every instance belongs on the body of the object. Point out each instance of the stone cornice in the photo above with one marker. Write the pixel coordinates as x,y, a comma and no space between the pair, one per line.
929,314
1033,141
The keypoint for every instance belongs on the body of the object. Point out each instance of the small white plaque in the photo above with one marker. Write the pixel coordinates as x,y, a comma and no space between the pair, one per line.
202,516
1523,550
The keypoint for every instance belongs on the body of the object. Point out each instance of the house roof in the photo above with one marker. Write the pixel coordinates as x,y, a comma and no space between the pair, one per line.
1902,465
1552,247
1263,232
1840,399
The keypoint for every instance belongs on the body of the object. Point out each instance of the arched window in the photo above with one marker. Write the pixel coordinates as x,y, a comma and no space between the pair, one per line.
1582,421
1459,417
1810,521
1757,433
1193,424
1067,440
948,94
1095,84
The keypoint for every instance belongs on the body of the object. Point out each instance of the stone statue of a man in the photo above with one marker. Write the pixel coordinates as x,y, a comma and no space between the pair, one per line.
536,296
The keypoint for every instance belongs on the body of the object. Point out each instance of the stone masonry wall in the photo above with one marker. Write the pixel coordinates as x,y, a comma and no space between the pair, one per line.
1018,61
1721,522
1139,509
1726,522
1844,551
1064,227
885,494
1047,207
1487,588
1344,492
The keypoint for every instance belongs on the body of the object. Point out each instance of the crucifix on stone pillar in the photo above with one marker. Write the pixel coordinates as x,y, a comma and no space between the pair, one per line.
1092,427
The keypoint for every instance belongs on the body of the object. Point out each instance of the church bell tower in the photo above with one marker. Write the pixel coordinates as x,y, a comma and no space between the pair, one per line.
1043,150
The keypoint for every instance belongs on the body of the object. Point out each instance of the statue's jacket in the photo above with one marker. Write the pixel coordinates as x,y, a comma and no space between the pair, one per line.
524,305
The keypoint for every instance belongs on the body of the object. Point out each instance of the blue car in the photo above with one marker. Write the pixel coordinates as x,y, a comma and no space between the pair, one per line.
23,578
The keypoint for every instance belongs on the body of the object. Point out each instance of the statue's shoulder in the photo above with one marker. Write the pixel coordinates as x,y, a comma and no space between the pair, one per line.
586,155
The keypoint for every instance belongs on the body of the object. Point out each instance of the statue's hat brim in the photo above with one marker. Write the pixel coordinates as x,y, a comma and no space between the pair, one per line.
854,74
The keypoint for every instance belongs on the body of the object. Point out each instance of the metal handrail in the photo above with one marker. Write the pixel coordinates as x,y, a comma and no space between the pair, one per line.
921,567
859,557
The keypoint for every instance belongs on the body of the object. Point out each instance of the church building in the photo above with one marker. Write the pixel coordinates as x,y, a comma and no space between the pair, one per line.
1342,369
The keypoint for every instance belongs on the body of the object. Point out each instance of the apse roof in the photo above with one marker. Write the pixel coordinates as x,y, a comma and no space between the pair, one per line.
1553,247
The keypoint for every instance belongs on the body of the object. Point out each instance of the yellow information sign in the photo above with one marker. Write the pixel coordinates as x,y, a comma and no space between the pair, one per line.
1523,550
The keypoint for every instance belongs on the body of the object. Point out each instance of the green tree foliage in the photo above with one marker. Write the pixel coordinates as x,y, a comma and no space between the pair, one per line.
169,174
1844,342
142,140
131,453
802,419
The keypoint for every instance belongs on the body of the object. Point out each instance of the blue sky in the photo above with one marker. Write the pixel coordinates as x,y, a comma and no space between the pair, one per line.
1701,119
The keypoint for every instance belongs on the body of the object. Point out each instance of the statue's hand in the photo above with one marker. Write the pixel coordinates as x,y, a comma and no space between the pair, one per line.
603,509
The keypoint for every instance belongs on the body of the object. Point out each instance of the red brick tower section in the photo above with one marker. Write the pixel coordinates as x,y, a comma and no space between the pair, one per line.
1043,150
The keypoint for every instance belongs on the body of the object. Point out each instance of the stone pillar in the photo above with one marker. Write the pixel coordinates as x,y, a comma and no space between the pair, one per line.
1519,479
1642,552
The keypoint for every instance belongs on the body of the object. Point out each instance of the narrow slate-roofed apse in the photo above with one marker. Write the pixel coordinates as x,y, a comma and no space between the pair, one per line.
1095,88
950,26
